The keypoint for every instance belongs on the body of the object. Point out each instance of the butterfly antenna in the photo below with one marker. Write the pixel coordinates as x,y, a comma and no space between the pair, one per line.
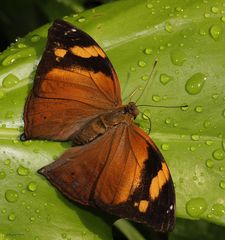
131,94
148,80
161,106
149,120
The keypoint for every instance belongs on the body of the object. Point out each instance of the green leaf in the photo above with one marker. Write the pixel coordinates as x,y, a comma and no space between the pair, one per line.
188,40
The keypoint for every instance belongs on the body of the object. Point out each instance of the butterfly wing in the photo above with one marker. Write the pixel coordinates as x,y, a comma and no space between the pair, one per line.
128,177
74,83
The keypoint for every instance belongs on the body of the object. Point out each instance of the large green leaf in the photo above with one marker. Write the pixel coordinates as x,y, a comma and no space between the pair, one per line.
187,38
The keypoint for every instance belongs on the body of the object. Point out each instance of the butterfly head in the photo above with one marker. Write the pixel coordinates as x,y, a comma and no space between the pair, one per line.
132,109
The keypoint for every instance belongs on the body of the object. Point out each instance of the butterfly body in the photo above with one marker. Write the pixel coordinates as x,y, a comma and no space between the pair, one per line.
104,122
113,164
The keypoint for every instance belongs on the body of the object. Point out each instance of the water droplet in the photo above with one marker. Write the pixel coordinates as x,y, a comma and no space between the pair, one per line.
23,53
7,162
11,195
32,186
35,38
149,5
169,28
209,163
195,137
22,171
10,81
63,235
141,63
145,77
178,57
202,32
185,107
148,51
218,154
165,147
198,109
168,121
195,207
207,124
81,19
222,184
209,142
206,15
165,78
32,218
3,211
215,32
21,45
215,9
215,96
2,94
2,175
12,217
224,113
218,209
223,18
192,148
156,98
195,84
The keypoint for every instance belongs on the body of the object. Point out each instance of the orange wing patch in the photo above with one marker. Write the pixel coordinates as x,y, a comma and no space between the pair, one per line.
87,52
158,182
60,52
143,206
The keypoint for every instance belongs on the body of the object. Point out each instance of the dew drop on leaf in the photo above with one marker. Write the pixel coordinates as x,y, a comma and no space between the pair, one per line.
165,78
156,98
169,28
165,146
22,171
10,81
145,77
32,186
195,207
178,57
168,121
198,109
7,162
23,53
218,154
195,83
2,94
35,38
141,63
207,124
222,184
11,195
209,142
195,137
209,163
215,32
214,9
148,51
12,217
81,19
218,209
2,175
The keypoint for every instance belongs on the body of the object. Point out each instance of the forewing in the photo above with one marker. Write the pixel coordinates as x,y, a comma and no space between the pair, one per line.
74,71
128,177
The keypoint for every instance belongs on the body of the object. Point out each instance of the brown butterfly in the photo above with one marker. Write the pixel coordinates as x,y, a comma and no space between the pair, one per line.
113,164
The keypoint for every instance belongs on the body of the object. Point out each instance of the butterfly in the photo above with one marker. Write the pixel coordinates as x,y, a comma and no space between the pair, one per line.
112,164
